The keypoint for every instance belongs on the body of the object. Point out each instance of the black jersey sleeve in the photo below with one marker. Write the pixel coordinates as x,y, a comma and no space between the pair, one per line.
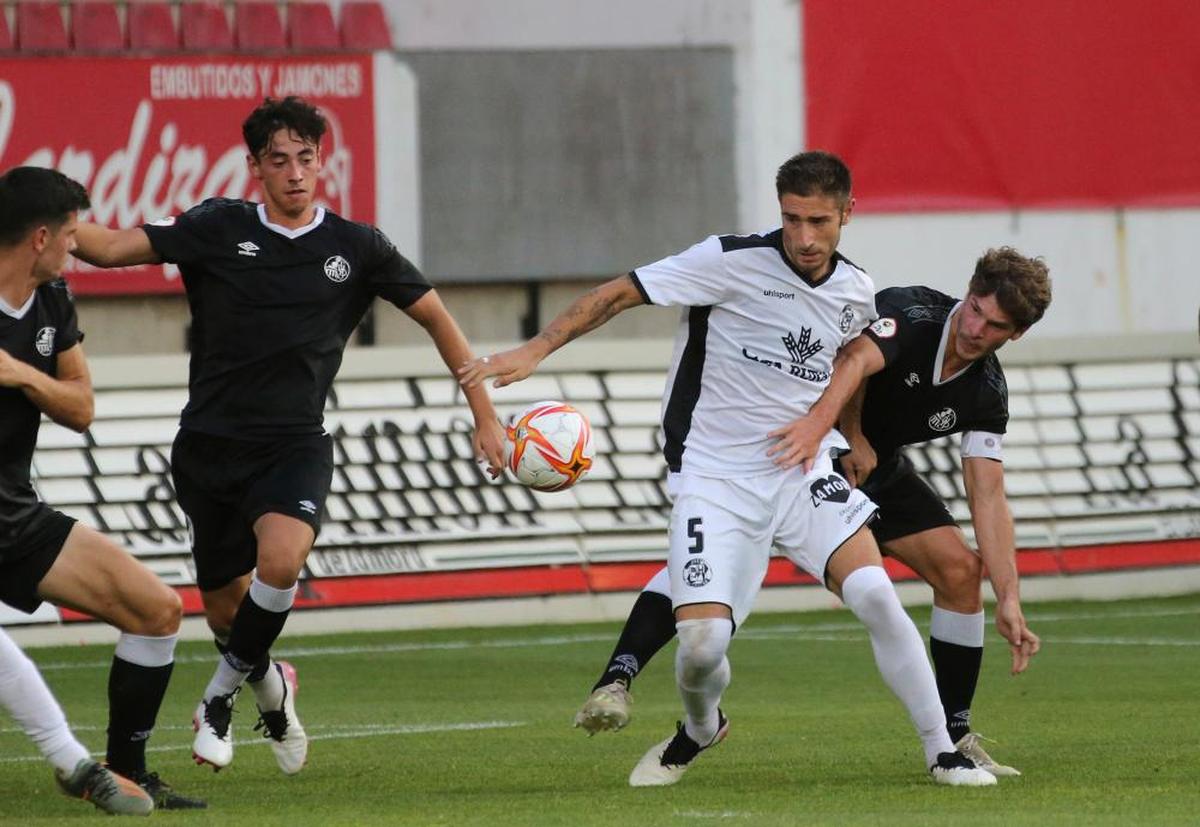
188,237
68,334
892,329
391,275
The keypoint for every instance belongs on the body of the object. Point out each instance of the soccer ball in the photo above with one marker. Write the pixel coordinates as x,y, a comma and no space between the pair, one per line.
549,446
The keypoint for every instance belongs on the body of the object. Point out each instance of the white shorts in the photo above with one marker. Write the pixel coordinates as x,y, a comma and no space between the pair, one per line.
723,531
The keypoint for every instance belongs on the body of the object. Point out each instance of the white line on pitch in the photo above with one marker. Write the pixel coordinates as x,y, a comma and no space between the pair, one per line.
366,731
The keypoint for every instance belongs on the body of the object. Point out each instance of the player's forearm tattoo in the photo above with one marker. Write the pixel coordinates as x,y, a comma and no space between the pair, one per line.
588,312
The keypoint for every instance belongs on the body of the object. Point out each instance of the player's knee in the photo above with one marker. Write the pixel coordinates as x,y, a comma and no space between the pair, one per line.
702,646
959,577
164,614
869,593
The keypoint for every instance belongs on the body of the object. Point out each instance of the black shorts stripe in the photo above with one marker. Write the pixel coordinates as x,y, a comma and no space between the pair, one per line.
685,391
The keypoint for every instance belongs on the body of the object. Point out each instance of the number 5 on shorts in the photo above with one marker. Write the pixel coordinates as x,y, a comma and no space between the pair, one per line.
696,535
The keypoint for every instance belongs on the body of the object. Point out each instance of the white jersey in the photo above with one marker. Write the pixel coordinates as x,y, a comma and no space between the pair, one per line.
754,348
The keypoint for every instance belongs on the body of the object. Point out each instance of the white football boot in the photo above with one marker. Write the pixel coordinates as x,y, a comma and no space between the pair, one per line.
666,763
606,708
288,740
969,746
213,723
957,770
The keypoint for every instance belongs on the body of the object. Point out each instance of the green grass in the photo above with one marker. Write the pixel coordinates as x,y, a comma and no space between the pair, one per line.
1104,725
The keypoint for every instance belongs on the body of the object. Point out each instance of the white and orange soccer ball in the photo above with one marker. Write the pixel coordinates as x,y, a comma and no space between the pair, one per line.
549,446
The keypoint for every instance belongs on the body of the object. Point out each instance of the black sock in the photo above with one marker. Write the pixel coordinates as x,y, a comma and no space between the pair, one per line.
134,695
254,631
649,627
260,669
957,669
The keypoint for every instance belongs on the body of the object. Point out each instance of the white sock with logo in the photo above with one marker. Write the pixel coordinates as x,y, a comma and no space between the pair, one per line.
702,673
25,695
899,654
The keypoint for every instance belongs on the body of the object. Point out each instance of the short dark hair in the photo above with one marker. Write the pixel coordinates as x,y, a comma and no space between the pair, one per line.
292,113
814,173
1020,284
33,196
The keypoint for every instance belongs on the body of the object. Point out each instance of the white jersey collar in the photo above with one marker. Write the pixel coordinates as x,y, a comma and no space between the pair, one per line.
940,358
287,232
17,312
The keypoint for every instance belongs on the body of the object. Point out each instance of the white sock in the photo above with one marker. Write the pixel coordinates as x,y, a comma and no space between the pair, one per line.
27,698
226,680
957,628
899,654
702,673
268,693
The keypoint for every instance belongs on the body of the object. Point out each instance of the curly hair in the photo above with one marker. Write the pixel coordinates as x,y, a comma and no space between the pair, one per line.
1020,284
292,113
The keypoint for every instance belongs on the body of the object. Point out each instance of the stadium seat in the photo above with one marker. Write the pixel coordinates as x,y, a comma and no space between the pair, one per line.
40,27
204,26
365,26
310,26
151,26
258,26
96,26
6,40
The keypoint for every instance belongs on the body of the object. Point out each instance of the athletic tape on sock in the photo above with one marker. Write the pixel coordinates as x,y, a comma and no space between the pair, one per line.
271,598
142,650
957,628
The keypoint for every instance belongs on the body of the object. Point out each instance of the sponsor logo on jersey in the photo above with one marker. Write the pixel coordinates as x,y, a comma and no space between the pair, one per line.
794,369
696,572
308,506
846,320
832,488
248,248
800,348
884,328
779,294
337,268
45,341
943,420
913,380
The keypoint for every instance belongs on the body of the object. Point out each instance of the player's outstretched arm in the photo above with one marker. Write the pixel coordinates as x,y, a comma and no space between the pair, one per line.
66,398
429,312
588,312
799,441
106,247
990,514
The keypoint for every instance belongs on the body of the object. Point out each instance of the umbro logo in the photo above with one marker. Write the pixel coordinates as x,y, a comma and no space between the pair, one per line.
308,506
248,248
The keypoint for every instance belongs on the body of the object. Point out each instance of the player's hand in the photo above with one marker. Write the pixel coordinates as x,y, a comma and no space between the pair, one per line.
488,442
508,367
798,443
1022,642
859,463
13,372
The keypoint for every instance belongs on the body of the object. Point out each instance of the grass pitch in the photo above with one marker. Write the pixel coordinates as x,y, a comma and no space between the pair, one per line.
472,726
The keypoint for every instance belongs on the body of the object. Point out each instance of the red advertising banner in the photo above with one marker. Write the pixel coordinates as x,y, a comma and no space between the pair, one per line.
151,137
991,105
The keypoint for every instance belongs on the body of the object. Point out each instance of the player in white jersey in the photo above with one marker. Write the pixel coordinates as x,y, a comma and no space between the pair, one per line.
763,317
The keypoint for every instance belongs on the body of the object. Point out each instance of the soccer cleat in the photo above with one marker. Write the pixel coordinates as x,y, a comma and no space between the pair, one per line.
213,721
606,708
958,770
163,794
969,746
112,793
282,727
666,763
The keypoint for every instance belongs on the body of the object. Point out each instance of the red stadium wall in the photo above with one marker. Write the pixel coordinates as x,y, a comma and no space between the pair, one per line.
151,137
993,105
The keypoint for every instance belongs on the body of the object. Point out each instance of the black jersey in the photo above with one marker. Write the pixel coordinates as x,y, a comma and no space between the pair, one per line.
905,403
272,310
47,327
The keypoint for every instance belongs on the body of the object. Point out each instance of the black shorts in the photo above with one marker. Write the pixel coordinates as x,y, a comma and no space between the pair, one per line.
38,542
907,504
223,485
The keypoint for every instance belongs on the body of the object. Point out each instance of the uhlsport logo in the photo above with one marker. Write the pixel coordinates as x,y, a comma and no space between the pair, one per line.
943,420
337,268
832,488
696,572
846,320
45,341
